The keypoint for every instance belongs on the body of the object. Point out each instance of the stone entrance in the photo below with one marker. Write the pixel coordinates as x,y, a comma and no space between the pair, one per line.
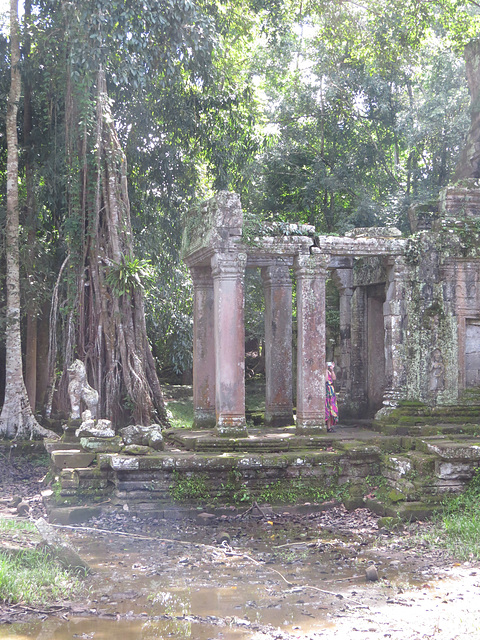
409,343
217,254
409,313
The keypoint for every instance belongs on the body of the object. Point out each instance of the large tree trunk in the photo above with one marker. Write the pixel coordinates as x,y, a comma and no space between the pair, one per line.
30,219
42,355
17,419
468,167
110,335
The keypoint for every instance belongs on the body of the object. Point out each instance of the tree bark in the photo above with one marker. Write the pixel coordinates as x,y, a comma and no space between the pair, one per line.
468,167
111,336
17,419
42,354
30,219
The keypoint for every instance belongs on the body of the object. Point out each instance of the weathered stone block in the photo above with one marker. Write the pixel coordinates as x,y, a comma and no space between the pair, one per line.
399,465
102,445
72,458
396,496
69,479
454,470
72,515
150,436
121,463
451,450
137,450
353,503
95,429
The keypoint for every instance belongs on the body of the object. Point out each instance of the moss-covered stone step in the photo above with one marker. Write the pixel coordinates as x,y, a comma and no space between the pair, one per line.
415,428
407,511
257,440
467,449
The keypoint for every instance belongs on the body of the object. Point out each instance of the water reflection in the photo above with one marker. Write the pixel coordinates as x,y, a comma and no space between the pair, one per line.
146,589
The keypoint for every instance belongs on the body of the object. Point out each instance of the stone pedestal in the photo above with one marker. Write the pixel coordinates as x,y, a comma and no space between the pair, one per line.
203,349
228,272
310,272
278,345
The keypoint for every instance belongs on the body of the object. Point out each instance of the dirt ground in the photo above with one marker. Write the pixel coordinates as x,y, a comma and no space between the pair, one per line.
288,575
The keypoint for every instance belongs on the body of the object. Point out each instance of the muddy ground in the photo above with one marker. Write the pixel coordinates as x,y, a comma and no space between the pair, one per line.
249,575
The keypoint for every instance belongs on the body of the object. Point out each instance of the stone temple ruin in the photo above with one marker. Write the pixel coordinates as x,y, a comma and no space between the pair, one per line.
408,358
409,313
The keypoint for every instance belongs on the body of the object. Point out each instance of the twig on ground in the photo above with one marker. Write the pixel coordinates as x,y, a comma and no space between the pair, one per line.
253,506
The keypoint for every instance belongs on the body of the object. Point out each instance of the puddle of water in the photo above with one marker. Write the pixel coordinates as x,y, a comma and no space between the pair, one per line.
264,584
95,629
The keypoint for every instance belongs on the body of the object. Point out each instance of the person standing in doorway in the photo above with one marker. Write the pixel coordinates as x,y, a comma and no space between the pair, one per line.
331,410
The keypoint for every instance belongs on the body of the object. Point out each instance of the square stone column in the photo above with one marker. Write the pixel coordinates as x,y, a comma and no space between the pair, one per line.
278,345
343,279
310,272
228,271
203,349
358,355
394,317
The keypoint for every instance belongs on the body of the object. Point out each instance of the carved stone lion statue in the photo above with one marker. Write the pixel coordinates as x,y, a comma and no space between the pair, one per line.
79,389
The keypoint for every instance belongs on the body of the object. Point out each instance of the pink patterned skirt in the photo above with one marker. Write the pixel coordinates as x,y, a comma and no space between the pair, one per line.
331,409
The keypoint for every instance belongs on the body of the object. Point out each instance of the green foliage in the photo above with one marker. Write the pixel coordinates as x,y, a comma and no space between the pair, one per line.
458,527
32,577
370,111
189,487
180,414
299,490
9,525
235,488
170,319
328,112
128,275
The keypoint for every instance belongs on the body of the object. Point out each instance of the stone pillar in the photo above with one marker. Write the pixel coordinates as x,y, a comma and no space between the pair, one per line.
203,349
358,354
460,293
394,316
228,283
344,282
278,345
310,271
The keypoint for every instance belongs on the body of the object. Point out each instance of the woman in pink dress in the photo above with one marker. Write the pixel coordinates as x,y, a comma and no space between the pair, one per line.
331,410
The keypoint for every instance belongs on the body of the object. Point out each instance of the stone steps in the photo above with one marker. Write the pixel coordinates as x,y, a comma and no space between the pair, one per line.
414,473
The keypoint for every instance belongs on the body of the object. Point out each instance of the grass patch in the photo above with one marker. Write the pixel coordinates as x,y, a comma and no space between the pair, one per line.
180,414
457,527
31,576
255,395
12,525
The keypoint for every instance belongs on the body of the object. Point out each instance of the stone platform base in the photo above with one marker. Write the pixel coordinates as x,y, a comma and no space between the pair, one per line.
402,475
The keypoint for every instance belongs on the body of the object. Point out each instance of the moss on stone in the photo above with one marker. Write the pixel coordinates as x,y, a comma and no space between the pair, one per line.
395,496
